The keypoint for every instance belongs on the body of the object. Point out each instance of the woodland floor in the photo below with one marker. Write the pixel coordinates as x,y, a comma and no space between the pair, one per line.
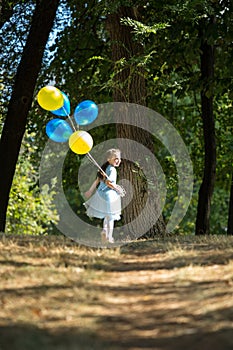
173,293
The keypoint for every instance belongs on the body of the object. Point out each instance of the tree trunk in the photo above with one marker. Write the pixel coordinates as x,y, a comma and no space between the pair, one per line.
230,213
207,186
130,87
21,99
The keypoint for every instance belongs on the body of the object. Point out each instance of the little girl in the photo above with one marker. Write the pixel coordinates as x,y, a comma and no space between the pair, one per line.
106,202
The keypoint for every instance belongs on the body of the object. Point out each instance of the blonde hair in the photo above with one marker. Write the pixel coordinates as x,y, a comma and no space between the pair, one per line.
113,152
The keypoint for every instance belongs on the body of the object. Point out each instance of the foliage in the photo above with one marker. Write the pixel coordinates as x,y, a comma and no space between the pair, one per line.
13,38
30,210
173,77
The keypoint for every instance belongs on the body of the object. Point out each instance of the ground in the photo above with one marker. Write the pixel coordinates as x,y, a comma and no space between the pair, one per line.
165,294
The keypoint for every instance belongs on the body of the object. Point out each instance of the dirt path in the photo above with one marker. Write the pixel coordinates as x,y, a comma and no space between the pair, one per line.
164,294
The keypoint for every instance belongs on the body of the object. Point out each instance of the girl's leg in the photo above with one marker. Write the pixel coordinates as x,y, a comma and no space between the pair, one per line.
105,225
108,226
104,233
110,230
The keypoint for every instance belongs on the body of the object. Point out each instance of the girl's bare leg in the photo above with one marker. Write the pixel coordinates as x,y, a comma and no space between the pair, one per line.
105,225
110,230
104,233
108,226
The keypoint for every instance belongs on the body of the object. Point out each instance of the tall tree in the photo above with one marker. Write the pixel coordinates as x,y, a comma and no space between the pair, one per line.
207,78
130,86
22,95
228,27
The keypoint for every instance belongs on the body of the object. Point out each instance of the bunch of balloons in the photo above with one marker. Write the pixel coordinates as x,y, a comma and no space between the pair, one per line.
52,99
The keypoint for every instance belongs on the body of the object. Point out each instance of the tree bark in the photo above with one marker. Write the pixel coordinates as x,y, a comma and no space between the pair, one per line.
130,87
21,99
207,186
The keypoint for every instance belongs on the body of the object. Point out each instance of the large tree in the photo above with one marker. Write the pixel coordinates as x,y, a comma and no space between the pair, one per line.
21,98
207,79
130,87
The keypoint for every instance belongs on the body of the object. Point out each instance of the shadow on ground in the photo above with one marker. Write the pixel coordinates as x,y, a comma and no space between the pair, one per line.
27,337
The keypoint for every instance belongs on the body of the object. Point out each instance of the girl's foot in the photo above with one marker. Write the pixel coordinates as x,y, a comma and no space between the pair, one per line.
111,240
103,236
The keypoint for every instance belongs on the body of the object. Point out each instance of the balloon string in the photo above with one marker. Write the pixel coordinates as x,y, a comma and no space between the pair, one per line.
96,164
70,119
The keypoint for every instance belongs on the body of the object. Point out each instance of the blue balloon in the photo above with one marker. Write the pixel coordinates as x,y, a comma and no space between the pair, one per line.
64,111
58,130
85,112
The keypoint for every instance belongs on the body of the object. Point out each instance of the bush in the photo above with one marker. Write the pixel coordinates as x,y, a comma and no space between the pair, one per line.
30,210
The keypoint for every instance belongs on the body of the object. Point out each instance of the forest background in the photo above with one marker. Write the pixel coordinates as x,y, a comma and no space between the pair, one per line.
78,60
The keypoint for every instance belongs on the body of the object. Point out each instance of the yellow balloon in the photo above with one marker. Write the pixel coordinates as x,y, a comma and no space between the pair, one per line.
50,98
80,142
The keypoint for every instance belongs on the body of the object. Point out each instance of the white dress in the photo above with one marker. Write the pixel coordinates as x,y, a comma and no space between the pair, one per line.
105,201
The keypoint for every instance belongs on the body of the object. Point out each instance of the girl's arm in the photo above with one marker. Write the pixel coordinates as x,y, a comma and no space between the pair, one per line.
92,188
115,187
111,181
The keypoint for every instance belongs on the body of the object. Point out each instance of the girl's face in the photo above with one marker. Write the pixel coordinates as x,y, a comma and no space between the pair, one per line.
115,161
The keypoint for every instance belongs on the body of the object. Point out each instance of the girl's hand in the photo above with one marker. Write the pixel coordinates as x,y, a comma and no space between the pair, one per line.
120,190
88,194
